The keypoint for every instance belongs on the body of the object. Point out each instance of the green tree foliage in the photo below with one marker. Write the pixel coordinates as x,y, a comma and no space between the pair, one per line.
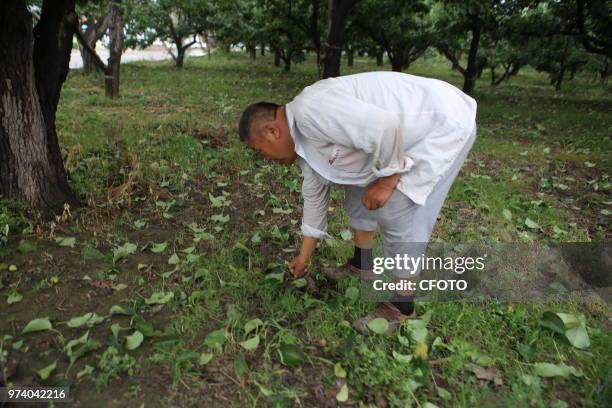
402,27
552,40
178,22
460,25
285,25
238,22
559,56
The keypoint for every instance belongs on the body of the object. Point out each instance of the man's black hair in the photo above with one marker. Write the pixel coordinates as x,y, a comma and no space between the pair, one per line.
255,111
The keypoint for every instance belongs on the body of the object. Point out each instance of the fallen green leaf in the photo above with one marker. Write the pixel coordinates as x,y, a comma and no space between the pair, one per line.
36,325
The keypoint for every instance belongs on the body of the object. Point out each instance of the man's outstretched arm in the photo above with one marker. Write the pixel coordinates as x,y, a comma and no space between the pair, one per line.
315,193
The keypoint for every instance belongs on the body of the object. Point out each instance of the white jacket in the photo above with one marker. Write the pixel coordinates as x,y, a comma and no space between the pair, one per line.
357,128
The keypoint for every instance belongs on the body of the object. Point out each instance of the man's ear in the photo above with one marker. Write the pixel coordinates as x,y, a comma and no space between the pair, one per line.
271,131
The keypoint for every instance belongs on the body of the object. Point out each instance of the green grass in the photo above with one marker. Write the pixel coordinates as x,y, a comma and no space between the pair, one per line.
148,163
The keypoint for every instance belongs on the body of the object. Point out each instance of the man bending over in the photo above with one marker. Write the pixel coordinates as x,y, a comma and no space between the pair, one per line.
395,142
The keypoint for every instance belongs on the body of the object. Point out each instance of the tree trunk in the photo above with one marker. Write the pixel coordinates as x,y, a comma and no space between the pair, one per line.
379,57
277,58
207,40
262,50
89,66
559,77
397,59
180,56
252,51
471,71
111,78
332,50
315,35
350,56
605,72
396,65
33,67
287,66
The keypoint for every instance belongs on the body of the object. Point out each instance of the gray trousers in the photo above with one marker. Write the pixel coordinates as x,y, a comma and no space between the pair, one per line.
405,227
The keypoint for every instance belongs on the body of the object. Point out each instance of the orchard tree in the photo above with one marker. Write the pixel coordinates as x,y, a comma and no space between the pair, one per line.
93,24
239,22
504,51
504,59
113,23
403,28
460,25
286,29
561,57
589,21
178,22
594,25
33,66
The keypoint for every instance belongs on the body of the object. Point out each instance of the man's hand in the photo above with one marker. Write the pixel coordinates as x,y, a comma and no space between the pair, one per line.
299,266
377,194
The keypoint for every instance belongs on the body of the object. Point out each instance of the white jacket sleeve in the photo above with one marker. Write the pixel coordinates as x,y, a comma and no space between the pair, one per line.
340,118
315,192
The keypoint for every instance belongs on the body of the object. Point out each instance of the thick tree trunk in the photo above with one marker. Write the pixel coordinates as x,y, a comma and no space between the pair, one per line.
471,71
396,58
252,51
332,50
277,58
33,67
111,79
287,66
262,50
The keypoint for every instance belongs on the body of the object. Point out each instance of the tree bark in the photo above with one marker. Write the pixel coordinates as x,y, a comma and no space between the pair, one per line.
180,56
315,34
397,59
332,49
33,67
277,58
111,78
471,71
252,51
262,50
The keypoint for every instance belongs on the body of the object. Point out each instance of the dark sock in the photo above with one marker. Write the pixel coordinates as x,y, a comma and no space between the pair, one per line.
362,258
404,304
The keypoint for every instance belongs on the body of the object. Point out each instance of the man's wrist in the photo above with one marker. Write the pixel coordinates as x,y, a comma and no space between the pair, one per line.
389,182
304,255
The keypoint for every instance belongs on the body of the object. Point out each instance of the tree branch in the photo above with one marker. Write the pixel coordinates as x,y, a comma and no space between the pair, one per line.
79,35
